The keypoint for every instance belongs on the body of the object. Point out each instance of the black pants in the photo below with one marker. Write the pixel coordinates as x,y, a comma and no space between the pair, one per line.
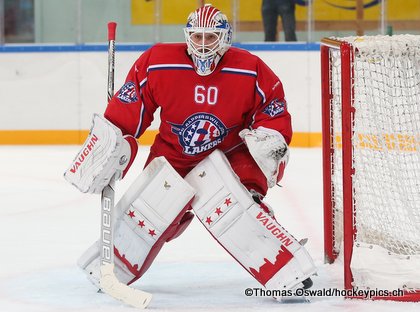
271,9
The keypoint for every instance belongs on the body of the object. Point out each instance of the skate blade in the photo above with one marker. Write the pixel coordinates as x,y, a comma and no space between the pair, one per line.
294,300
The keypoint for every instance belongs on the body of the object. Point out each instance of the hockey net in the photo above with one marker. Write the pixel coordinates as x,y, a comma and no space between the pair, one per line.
371,160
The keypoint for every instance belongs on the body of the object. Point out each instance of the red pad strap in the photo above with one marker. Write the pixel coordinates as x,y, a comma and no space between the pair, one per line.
183,224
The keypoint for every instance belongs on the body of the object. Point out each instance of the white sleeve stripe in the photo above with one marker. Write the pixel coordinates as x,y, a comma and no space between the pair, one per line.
253,120
261,92
143,82
238,70
169,66
140,121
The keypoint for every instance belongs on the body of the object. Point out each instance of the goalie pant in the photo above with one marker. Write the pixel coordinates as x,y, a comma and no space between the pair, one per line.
224,206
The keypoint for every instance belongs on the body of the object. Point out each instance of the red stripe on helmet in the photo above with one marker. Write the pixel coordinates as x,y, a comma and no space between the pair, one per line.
205,16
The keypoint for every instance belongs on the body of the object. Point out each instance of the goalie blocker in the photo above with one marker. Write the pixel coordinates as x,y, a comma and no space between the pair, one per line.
244,228
105,153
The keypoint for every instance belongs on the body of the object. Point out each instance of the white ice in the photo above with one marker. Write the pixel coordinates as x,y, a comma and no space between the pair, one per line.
45,224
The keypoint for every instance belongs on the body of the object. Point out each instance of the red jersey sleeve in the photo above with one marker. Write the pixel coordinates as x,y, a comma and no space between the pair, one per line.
131,108
271,106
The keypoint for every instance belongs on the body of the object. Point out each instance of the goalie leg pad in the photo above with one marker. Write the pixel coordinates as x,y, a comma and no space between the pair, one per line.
255,239
151,212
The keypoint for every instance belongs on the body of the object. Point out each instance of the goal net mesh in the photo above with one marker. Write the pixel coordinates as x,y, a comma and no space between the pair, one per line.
385,147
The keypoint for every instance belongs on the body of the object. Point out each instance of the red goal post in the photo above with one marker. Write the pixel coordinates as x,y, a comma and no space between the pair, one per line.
371,160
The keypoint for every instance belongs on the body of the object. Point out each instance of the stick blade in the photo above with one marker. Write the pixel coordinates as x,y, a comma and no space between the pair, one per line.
113,287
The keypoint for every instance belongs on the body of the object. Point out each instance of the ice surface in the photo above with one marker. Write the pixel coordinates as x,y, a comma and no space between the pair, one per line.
45,224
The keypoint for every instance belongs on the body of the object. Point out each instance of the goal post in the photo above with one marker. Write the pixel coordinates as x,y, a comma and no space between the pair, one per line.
371,161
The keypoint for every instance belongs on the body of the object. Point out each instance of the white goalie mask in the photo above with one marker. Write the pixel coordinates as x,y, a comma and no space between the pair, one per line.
208,35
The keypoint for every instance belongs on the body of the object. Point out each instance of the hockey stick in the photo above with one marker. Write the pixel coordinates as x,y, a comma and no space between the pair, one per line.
108,281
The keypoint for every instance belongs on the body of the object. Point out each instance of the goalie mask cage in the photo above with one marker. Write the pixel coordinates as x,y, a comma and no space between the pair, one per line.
371,163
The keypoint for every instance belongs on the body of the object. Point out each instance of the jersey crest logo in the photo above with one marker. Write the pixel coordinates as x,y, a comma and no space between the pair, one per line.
276,107
199,133
128,93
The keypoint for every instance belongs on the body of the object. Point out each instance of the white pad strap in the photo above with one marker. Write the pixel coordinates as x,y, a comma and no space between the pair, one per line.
146,215
255,239
105,153
269,150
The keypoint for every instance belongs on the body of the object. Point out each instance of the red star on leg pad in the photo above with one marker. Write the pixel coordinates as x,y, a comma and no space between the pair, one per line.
141,223
208,220
152,232
218,211
228,201
131,214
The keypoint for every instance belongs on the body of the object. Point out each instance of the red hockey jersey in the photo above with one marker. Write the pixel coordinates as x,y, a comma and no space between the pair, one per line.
198,113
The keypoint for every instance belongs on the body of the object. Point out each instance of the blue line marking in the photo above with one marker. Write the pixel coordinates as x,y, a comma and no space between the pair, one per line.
46,48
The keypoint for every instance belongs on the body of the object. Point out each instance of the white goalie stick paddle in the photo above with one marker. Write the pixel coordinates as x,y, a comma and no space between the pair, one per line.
108,281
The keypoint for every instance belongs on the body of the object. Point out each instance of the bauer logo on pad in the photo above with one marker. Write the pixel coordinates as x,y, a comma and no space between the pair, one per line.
128,93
